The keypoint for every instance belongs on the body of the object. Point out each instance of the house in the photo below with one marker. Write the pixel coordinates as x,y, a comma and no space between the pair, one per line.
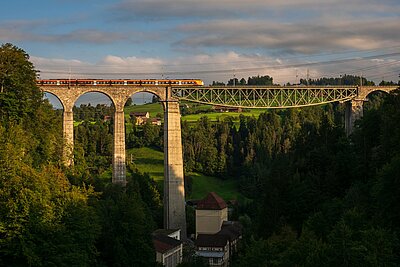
153,121
211,212
214,248
141,117
227,109
233,231
107,118
216,237
168,247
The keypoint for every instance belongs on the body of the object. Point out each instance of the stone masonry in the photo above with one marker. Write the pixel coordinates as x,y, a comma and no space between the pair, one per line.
174,191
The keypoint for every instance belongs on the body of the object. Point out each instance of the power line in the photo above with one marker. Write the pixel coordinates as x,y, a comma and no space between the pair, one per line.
260,61
238,70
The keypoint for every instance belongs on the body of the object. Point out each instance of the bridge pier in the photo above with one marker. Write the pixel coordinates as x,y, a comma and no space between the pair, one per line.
174,190
353,112
68,135
119,154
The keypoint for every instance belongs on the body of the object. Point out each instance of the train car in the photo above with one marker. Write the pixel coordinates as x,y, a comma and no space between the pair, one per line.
144,82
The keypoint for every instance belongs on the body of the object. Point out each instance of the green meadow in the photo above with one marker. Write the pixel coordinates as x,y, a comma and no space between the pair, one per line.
152,108
215,116
156,108
202,185
148,160
151,161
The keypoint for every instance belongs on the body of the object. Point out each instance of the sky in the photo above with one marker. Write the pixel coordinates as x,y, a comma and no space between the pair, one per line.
206,39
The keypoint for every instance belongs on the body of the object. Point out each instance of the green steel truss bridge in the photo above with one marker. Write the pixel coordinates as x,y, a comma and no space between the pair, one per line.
266,97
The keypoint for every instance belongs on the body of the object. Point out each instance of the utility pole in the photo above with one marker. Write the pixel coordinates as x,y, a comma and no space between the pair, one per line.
69,77
308,76
234,78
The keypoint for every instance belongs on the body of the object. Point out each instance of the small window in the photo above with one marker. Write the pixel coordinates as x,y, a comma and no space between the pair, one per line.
216,260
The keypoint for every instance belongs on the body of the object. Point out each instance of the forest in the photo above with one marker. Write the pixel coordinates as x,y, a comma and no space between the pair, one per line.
314,197
53,216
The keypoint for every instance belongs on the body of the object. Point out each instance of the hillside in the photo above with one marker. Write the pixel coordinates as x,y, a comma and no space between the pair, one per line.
196,112
151,161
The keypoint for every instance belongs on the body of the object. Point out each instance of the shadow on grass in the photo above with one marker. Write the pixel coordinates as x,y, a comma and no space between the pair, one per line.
149,161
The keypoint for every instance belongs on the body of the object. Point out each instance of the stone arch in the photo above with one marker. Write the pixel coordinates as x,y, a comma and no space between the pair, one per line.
367,90
110,96
56,96
355,107
160,92
140,112
376,91
154,92
174,197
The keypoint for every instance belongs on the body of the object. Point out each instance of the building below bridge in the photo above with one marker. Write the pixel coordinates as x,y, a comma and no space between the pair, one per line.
216,238
226,109
168,247
144,117
140,117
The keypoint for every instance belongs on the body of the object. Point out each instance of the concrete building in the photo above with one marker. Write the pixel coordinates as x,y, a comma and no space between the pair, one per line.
216,237
211,212
168,247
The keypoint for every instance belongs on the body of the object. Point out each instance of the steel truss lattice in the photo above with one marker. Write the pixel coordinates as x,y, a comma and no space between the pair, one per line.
265,96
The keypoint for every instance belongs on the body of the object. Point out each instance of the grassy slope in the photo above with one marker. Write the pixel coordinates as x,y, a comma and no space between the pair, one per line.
152,108
214,116
148,160
202,185
151,161
155,108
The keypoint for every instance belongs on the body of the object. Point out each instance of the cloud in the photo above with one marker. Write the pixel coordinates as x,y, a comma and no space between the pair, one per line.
91,36
305,37
109,67
215,67
177,9
39,31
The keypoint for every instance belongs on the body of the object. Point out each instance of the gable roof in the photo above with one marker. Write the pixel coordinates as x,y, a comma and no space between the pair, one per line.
231,229
211,240
163,243
139,114
211,202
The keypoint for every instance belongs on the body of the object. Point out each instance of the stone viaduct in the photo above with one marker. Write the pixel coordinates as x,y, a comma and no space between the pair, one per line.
354,107
174,192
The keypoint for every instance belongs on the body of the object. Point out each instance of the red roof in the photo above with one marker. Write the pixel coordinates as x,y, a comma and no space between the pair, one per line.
211,202
163,243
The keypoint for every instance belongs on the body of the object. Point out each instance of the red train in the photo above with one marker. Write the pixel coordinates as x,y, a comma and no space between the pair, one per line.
146,82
